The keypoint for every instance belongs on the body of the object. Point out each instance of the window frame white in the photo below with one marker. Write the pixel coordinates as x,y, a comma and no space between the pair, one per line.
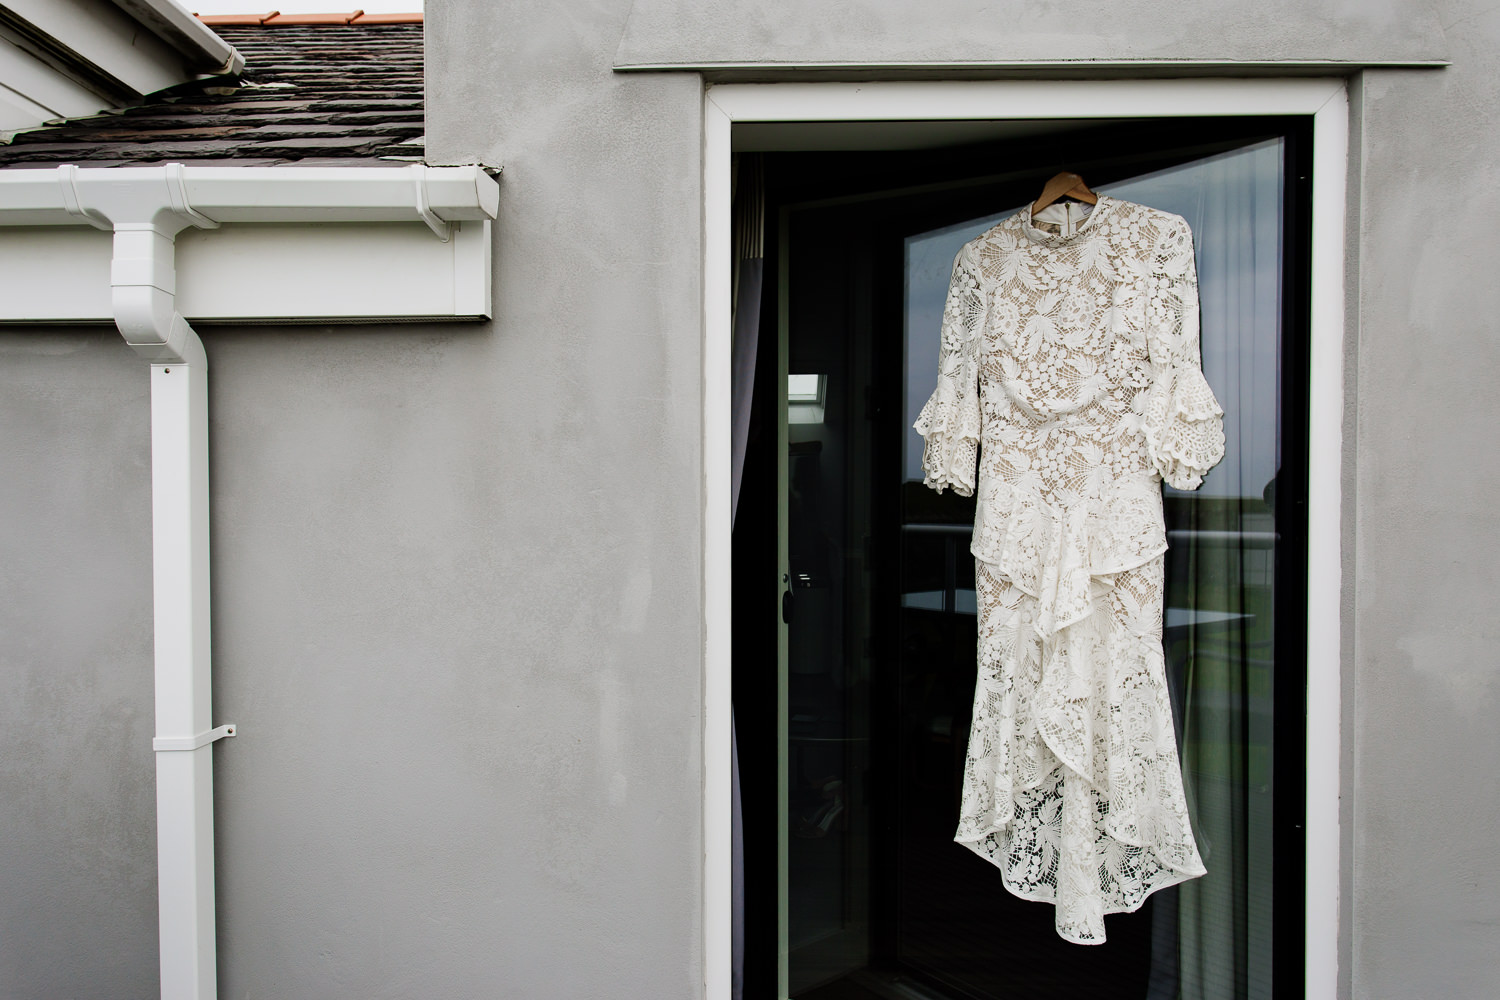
1326,101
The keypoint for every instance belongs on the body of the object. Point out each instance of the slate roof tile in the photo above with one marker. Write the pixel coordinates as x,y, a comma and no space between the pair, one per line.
325,93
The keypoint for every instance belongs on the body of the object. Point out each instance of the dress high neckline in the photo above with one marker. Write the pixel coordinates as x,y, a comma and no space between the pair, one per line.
1036,233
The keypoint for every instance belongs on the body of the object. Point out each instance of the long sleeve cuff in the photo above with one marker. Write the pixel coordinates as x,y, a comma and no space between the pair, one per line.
1184,426
950,453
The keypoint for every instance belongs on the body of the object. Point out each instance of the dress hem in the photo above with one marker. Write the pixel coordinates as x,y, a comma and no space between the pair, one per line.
1177,877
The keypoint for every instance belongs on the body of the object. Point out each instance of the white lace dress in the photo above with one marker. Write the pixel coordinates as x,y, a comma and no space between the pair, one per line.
1069,373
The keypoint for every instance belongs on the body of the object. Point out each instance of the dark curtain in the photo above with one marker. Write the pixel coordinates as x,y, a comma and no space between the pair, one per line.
747,272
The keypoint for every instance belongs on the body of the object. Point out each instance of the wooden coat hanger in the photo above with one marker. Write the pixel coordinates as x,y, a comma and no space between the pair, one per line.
1063,185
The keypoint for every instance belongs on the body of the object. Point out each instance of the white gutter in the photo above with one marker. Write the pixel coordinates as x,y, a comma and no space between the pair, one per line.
261,194
145,208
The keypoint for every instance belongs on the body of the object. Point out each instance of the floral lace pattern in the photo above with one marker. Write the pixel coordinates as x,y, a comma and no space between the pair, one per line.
1068,387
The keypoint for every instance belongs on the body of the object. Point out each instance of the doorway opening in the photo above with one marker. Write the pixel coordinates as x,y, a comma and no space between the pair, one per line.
853,611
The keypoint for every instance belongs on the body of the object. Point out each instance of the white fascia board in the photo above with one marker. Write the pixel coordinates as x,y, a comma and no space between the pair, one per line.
296,244
260,273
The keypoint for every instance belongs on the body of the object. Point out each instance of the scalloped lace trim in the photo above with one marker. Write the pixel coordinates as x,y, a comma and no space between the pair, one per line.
1183,427
948,457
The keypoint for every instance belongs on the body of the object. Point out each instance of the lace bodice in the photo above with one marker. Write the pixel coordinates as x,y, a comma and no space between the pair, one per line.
1069,373
1068,387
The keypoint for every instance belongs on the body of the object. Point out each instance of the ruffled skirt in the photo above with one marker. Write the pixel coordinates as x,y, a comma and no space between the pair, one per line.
1072,785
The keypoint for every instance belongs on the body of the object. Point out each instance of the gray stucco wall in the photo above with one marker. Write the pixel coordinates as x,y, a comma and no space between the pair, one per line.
454,637
1419,666
457,610
77,778
456,574
882,32
457,584
1426,657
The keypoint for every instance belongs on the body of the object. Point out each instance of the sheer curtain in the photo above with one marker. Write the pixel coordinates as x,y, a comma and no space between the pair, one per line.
1213,934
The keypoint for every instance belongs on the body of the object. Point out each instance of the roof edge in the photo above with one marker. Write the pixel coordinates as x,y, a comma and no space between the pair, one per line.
275,18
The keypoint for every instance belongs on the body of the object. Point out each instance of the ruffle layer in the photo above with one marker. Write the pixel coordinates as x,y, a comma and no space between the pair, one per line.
1073,786
1064,557
950,429
1085,709
1184,426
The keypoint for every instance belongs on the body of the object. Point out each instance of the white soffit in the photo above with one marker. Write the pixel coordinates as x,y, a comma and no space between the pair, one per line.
294,244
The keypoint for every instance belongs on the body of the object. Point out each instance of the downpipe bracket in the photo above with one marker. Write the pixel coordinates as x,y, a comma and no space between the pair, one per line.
168,744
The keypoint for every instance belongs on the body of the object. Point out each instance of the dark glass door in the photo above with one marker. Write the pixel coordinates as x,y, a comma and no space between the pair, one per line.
853,749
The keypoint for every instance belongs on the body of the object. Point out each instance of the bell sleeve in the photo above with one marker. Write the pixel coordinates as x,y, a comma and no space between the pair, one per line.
950,422
1183,422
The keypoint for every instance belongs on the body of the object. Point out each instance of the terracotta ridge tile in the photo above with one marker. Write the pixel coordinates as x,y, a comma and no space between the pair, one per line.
281,19
412,18
234,20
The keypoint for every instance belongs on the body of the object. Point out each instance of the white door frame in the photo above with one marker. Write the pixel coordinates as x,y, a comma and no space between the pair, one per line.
1327,102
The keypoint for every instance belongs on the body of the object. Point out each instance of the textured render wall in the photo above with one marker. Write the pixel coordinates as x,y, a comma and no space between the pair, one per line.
457,611
1426,902
77,778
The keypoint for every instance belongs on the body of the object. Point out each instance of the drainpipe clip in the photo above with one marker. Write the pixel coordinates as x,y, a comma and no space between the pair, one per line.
164,744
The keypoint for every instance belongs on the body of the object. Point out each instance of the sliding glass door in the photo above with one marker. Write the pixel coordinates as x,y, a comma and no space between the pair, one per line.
854,764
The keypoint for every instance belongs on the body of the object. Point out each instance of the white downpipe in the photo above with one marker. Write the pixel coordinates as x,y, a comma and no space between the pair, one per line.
143,296
184,777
